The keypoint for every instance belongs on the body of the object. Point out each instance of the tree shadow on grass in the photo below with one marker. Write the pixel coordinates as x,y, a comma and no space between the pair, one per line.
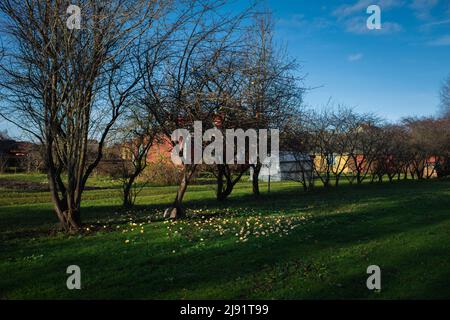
264,267
23,221
221,266
414,272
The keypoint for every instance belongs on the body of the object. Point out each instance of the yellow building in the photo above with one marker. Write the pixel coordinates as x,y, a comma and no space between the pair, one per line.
336,163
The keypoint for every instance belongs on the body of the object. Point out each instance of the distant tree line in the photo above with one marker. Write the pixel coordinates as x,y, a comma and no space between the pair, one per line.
358,147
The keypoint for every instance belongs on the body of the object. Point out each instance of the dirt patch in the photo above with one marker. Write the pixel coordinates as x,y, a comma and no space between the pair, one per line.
23,185
33,186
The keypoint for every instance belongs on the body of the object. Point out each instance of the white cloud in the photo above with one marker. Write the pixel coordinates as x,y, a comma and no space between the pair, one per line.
295,21
355,57
437,23
299,21
422,8
427,27
358,25
440,42
354,17
391,27
361,5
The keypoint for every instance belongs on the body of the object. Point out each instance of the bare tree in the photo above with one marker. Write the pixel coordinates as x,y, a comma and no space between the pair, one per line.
365,138
393,156
333,141
428,144
298,141
4,159
67,87
273,90
177,88
4,135
5,141
323,136
417,144
255,89
34,161
445,97
229,84
137,136
341,123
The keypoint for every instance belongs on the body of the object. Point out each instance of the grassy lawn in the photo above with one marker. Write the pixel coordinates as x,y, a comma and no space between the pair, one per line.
286,245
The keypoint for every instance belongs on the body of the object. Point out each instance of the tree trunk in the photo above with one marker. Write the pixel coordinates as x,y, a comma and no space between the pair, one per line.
177,211
69,218
66,202
72,220
255,179
220,175
358,177
225,188
223,194
127,194
327,180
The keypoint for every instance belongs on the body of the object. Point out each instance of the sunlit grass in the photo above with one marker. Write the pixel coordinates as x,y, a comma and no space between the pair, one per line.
286,244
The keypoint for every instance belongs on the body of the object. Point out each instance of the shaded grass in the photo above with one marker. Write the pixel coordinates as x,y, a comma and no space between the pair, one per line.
403,227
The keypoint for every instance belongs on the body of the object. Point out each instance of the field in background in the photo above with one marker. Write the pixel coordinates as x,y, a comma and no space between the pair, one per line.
288,244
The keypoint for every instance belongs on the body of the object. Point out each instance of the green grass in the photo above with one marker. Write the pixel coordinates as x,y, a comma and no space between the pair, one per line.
286,245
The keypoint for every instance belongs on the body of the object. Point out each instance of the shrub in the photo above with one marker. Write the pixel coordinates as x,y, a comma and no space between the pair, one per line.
161,173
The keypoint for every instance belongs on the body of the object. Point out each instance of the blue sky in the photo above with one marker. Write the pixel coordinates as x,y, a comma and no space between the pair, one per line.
395,72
